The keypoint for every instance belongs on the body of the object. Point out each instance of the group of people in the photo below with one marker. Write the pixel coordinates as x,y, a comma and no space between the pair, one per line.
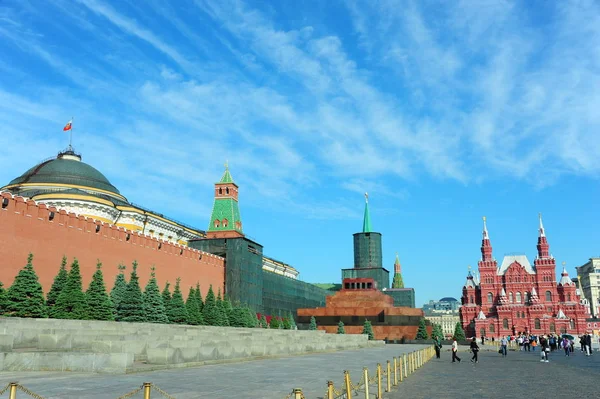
526,343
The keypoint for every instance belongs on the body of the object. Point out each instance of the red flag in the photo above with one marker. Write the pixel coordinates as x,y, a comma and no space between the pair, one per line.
68,126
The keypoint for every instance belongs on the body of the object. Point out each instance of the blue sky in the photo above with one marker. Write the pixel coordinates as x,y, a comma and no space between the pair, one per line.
442,111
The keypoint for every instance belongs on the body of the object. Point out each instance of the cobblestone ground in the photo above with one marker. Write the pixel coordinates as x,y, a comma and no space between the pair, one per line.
519,375
269,379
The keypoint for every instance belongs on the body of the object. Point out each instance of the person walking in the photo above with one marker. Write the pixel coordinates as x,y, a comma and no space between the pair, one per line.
566,345
544,348
438,348
455,351
503,345
588,344
475,349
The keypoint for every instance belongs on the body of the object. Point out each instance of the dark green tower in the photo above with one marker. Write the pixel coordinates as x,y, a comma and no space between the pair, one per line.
367,254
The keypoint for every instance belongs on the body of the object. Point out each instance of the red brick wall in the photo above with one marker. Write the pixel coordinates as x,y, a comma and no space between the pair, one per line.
25,227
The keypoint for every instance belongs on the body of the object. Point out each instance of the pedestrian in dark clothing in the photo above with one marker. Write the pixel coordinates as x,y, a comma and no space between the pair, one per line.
475,350
438,348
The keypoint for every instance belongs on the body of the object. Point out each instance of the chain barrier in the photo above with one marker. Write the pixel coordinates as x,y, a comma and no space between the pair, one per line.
4,389
28,392
163,393
130,394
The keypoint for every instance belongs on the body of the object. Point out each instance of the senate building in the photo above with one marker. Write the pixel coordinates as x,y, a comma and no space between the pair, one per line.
519,297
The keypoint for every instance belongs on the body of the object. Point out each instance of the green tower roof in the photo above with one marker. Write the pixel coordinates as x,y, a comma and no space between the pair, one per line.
226,178
367,219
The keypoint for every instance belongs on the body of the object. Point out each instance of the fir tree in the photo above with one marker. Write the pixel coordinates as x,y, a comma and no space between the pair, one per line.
71,302
274,323
166,295
25,296
459,334
368,329
193,309
286,324
422,331
227,306
154,308
3,300
131,307
251,318
223,319
210,312
263,322
238,316
313,323
437,334
118,291
199,298
341,329
176,311
57,286
98,304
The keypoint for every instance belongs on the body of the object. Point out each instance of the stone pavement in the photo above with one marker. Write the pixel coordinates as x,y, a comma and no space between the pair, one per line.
269,378
519,375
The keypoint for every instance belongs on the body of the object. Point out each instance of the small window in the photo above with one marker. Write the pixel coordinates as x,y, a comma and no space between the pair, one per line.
490,297
510,297
518,297
50,215
226,190
369,285
537,324
97,228
548,296
505,323
572,324
552,327
5,204
492,328
347,286
220,191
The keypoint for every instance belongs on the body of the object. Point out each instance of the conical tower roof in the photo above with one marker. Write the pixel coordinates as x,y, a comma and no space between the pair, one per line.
367,218
226,178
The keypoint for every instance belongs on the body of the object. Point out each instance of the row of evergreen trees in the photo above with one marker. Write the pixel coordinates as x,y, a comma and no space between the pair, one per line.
126,301
437,333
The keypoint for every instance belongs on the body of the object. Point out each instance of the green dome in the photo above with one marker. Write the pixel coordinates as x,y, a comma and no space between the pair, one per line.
67,168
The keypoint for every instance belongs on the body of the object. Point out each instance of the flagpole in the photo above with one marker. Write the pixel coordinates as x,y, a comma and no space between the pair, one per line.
71,136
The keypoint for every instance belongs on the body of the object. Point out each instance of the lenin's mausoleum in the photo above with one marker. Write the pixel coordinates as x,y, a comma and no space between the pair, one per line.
65,207
518,297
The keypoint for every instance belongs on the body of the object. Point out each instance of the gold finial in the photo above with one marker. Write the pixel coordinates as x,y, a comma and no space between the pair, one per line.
226,164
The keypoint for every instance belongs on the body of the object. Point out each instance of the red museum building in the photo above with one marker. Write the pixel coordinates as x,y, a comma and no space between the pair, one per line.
518,297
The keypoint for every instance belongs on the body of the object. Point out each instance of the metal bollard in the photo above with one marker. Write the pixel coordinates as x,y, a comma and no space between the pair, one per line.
298,393
389,377
329,389
405,365
401,369
348,386
378,380
147,388
13,390
395,372
366,377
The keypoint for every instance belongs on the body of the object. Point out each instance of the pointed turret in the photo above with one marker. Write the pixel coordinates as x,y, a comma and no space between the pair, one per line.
564,278
225,220
486,246
543,247
367,218
470,282
561,315
503,300
397,282
481,315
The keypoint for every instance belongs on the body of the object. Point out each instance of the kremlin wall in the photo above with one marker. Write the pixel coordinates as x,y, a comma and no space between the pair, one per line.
64,207
48,233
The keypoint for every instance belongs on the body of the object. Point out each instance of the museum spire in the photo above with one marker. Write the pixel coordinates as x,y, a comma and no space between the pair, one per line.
542,246
367,218
486,246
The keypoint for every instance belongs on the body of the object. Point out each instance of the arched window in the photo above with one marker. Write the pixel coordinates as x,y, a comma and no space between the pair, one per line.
537,324
505,323
572,324
217,222
548,296
518,295
220,191
563,330
492,328
568,297
552,327
226,190
225,222
490,297
471,299
510,297
482,331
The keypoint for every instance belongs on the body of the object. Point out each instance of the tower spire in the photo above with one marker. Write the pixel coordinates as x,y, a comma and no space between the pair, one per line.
367,218
486,246
225,220
542,246
398,282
